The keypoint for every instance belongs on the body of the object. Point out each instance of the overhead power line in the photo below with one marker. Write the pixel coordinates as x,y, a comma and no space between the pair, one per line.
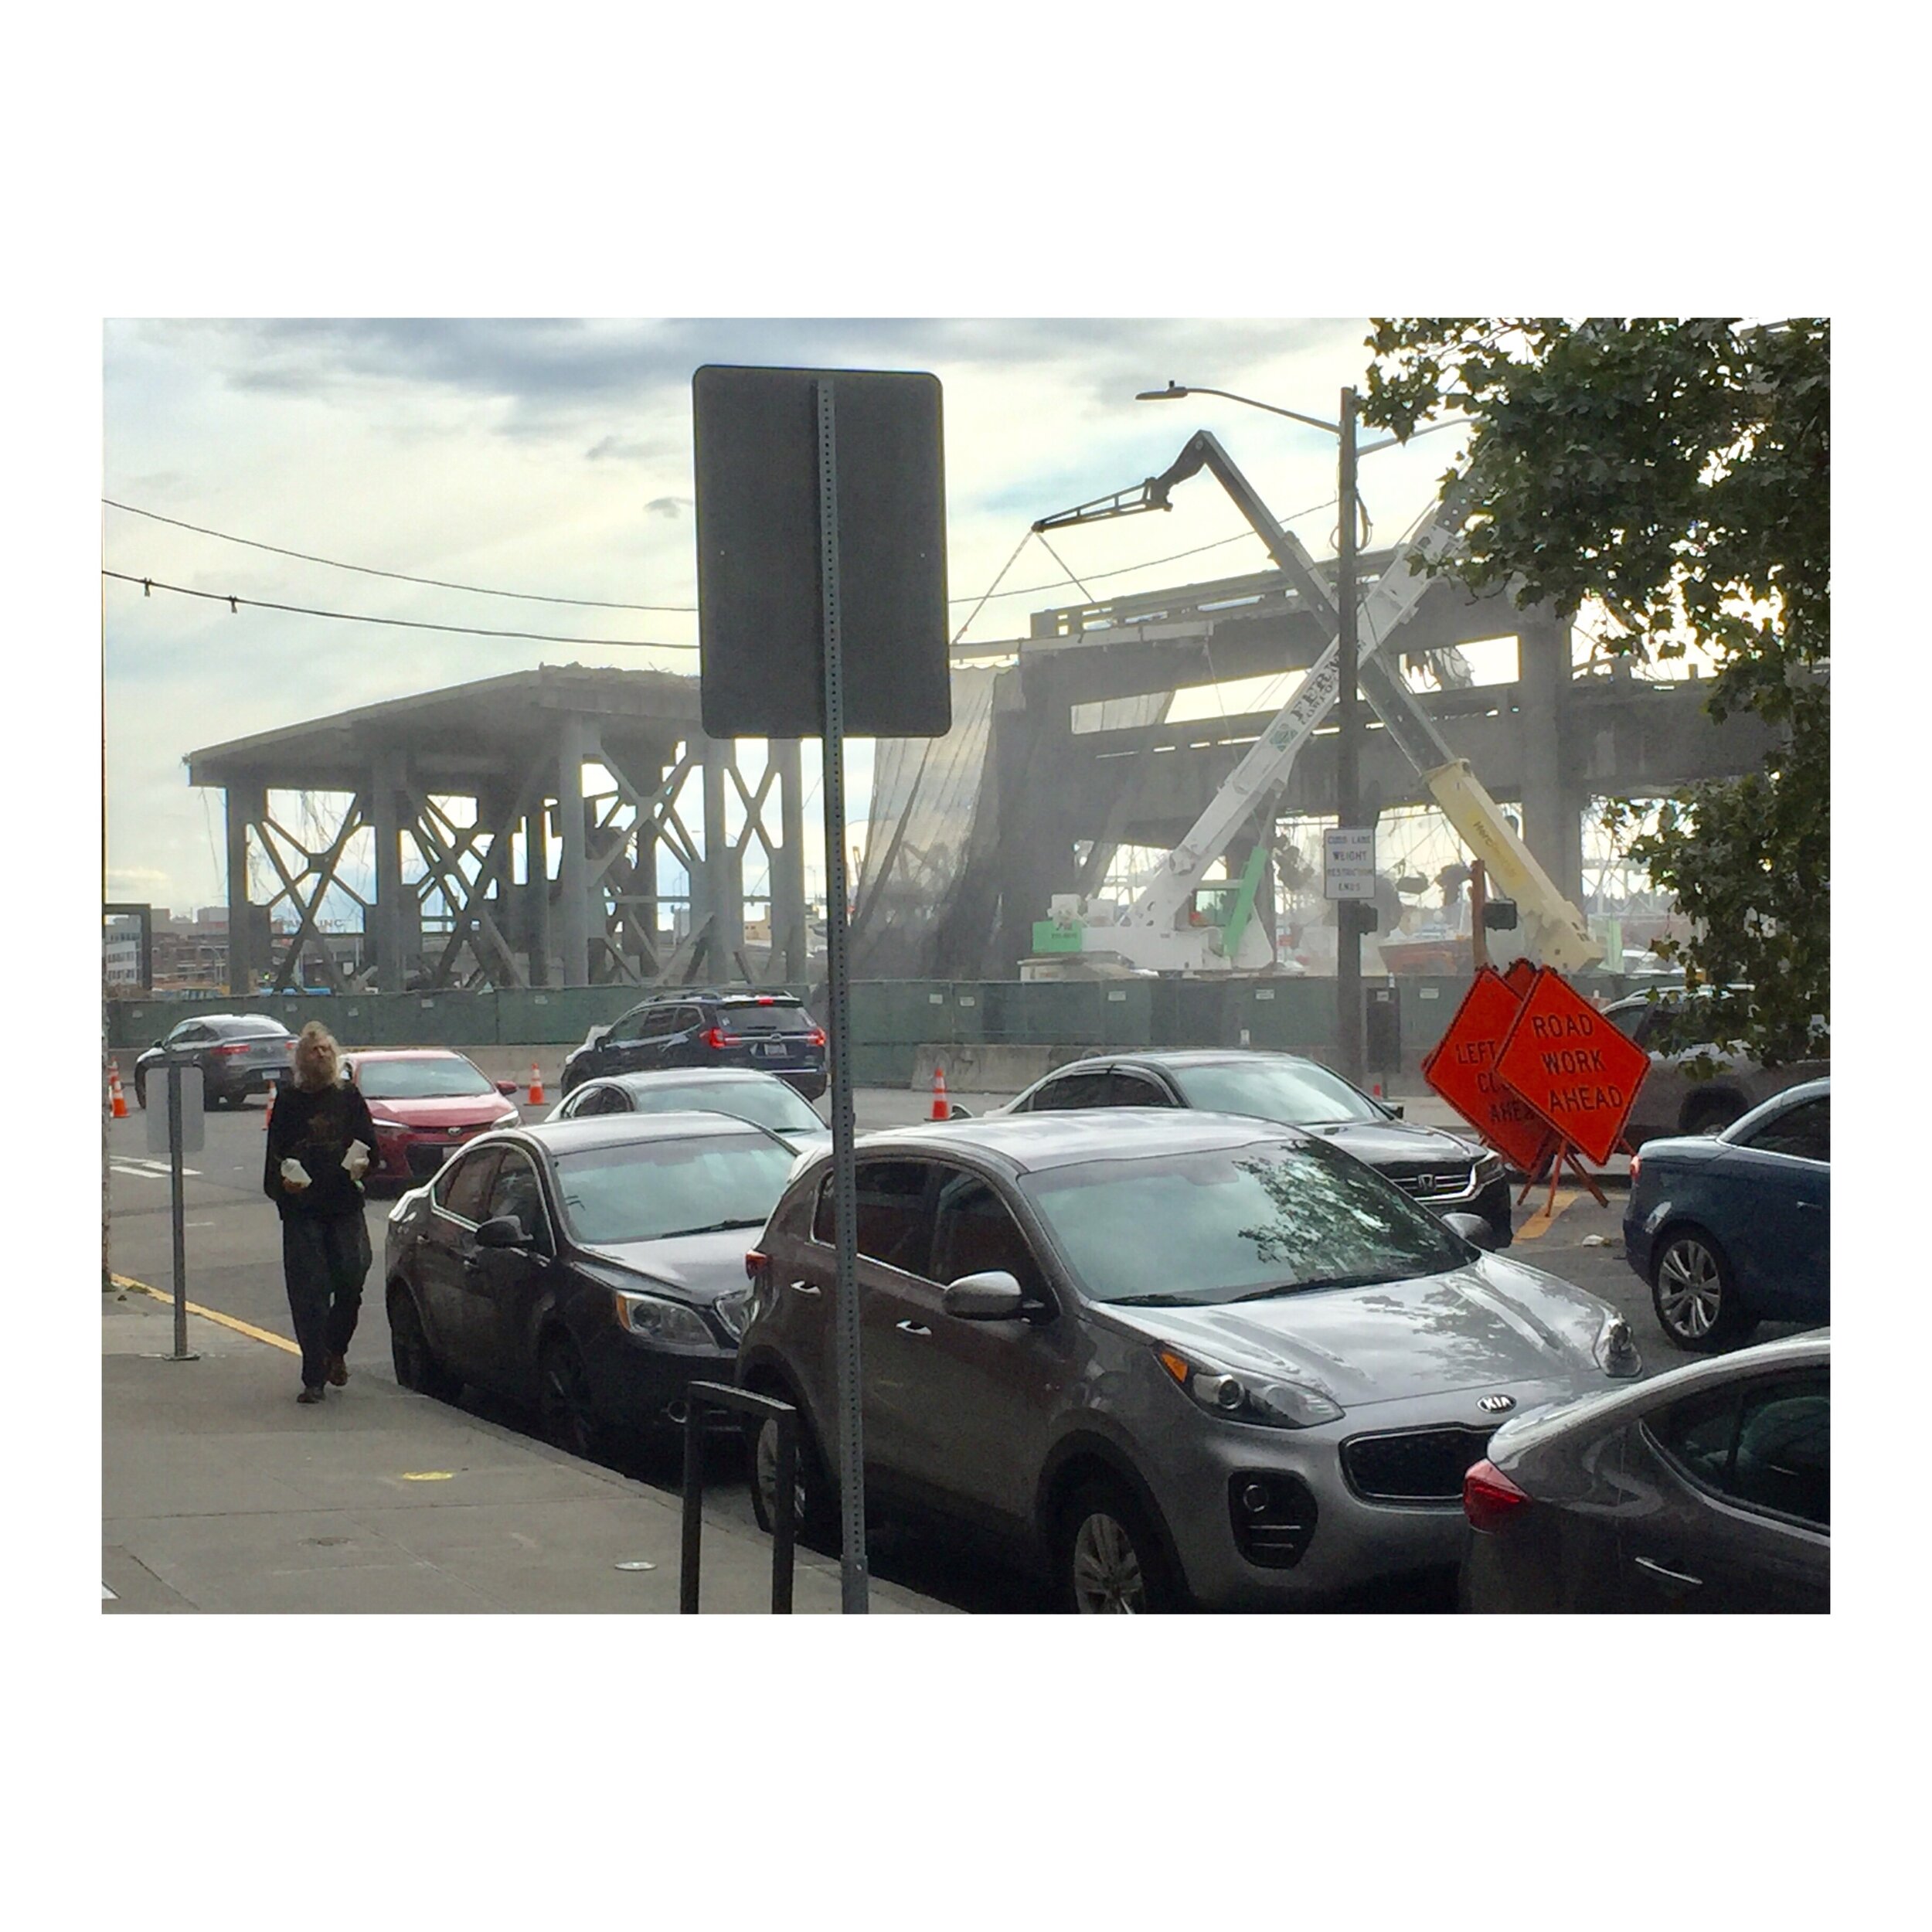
400,577
405,624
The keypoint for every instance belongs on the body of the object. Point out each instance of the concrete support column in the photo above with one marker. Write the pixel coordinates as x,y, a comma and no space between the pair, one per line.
387,788
1551,819
1033,762
790,950
573,868
724,883
244,803
536,868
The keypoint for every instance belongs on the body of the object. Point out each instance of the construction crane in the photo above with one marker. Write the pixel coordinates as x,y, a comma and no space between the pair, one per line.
1163,928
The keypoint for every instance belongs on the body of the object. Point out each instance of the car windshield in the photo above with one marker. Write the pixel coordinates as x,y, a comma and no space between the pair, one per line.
1299,1093
427,1080
650,1190
771,1105
1271,1218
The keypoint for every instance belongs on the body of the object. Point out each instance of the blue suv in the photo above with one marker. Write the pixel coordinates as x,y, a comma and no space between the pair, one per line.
770,1032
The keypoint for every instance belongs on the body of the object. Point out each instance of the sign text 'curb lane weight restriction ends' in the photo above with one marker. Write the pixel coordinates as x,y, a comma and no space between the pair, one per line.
1348,862
761,595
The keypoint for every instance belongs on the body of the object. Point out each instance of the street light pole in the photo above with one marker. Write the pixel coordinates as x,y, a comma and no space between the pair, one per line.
1348,758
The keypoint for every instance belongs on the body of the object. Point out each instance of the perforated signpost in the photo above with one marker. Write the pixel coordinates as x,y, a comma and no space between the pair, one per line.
822,608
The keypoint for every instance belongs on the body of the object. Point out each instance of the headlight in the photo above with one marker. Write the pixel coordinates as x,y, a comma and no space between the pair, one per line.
1487,1167
734,1311
1616,1348
1277,1405
657,1320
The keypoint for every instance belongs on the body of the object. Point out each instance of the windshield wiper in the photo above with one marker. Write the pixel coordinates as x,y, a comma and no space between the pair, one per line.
1369,1280
713,1227
1162,1301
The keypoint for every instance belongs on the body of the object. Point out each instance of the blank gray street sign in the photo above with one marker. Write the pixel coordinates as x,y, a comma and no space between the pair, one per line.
760,591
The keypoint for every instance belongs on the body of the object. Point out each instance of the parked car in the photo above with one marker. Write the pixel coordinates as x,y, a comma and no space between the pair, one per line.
1735,1228
1442,1170
1673,1098
771,1032
593,1268
238,1053
1707,1488
761,1098
1163,1357
425,1101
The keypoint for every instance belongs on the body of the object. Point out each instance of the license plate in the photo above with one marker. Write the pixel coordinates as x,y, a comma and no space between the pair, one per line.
771,1050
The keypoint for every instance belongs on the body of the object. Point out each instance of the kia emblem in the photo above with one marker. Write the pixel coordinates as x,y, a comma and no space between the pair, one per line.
1496,1405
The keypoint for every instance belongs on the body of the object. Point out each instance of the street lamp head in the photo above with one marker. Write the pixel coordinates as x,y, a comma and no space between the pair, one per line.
1172,392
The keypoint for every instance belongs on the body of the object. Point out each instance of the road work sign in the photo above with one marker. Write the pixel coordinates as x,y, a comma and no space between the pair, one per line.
1572,1066
1463,1070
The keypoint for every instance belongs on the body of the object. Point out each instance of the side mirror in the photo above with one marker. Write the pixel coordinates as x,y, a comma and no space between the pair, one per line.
959,1114
507,1088
1472,1227
994,1296
157,1043
503,1231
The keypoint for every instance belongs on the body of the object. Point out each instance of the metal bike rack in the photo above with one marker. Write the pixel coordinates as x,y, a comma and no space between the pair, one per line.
700,1398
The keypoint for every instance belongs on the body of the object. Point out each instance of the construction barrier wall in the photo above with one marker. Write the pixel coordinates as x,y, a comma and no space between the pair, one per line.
891,1019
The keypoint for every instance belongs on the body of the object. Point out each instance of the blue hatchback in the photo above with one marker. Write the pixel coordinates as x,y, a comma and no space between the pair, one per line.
1735,1228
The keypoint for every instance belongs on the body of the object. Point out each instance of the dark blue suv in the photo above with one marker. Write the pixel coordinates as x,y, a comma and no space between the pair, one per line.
770,1032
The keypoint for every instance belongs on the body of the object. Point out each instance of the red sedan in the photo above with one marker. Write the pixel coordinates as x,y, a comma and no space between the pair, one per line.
426,1102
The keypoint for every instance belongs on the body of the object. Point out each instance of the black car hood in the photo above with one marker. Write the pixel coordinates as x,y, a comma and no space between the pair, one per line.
699,1267
1379,1142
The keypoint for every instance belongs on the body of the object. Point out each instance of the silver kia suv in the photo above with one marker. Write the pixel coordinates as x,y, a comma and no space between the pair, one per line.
1165,1357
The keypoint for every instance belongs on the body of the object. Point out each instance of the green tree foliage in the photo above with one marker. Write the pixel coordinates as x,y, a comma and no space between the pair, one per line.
1675,474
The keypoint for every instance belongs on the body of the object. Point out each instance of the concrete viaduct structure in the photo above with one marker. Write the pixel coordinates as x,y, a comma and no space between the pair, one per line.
543,882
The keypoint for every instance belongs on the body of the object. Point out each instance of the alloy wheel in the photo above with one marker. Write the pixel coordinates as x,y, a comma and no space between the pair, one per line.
1107,1576
1690,1289
568,1419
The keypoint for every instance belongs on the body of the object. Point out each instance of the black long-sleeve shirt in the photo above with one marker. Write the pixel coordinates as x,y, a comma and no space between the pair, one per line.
316,1128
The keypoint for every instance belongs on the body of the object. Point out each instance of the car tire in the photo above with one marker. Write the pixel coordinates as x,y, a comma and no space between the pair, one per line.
1110,1558
1695,1292
140,1093
416,1365
569,1419
814,1498
1712,1112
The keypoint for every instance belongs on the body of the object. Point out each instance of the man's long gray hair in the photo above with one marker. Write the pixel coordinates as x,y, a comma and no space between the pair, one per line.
318,1058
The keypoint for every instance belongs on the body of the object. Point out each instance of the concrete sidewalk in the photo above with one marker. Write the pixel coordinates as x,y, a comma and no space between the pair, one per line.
220,1492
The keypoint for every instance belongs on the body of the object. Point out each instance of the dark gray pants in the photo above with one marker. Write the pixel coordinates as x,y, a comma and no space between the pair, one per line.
325,1257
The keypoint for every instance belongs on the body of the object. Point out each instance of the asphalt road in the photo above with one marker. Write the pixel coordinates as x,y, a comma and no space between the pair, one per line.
233,1266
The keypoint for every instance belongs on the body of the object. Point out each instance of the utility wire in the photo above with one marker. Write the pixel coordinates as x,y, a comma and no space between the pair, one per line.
149,584
400,576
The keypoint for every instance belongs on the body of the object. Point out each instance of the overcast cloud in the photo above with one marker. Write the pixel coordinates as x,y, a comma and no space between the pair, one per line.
554,458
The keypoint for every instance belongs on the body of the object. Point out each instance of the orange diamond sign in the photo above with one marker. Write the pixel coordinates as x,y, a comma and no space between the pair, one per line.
1572,1065
1463,1070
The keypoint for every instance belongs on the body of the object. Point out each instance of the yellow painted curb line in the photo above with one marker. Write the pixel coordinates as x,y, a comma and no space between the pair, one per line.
1539,1223
209,1314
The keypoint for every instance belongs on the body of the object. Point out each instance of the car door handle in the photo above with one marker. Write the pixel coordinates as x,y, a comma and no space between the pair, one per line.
802,1287
1671,1576
912,1328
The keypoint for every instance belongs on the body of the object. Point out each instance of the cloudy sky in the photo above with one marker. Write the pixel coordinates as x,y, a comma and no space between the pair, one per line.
553,458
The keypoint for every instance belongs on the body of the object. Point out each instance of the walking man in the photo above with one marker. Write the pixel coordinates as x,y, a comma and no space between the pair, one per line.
320,1139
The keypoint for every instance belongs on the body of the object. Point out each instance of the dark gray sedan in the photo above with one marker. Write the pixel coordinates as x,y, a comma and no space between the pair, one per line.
1708,1487
591,1268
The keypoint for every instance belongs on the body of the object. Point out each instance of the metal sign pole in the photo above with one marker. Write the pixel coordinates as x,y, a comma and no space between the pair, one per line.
179,1207
852,1574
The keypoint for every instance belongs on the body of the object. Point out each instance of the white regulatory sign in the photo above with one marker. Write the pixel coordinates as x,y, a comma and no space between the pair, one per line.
1348,862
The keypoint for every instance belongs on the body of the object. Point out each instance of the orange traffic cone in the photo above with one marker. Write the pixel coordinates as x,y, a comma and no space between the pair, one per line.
942,1106
536,1086
118,1100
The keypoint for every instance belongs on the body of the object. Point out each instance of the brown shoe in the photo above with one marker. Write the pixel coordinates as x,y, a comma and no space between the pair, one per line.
311,1395
338,1370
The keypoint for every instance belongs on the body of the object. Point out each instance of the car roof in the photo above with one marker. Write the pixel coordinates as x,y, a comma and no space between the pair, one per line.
690,1077
1186,1056
404,1053
1032,1143
610,1130
260,1023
